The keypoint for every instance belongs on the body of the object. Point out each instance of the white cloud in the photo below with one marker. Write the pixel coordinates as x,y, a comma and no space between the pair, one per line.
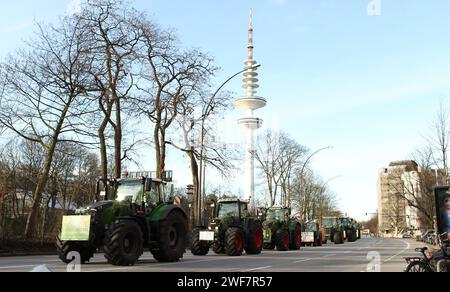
74,7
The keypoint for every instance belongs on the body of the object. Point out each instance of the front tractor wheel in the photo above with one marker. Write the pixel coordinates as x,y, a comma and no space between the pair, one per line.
282,240
124,243
172,239
65,248
255,239
218,247
199,248
234,242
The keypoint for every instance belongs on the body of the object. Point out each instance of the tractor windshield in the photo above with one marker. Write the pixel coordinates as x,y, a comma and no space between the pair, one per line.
228,210
311,227
277,214
329,222
130,191
345,221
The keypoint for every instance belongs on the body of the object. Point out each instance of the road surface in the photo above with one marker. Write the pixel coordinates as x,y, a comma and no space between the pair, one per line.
368,254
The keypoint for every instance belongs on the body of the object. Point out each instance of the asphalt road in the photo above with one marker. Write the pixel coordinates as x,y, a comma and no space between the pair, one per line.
368,254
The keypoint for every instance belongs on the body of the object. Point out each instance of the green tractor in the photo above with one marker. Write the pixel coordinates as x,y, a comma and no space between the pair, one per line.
313,235
231,231
334,231
139,213
351,232
280,231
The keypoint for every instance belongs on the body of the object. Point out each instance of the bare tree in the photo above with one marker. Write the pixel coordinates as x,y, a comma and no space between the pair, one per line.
278,157
42,101
197,125
312,197
439,137
169,77
113,35
267,155
290,162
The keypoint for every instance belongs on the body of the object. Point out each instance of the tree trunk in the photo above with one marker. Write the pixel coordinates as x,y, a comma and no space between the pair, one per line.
37,196
43,178
162,167
157,150
195,182
102,138
118,137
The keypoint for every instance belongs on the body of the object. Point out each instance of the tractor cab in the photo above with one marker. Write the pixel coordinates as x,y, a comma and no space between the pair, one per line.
312,226
345,221
235,209
131,190
278,214
347,224
142,190
330,222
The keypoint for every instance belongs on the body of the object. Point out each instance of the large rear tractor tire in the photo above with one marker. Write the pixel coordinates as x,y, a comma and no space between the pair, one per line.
64,248
282,240
199,248
171,238
338,238
317,239
234,242
124,243
296,239
320,239
351,236
255,239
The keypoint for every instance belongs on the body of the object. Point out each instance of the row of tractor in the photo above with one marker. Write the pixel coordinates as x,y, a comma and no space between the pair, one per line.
139,213
234,231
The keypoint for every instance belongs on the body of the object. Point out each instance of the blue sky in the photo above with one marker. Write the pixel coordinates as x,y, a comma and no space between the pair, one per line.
333,76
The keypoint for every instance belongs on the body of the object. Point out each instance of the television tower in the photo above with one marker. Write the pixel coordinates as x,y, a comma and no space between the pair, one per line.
250,102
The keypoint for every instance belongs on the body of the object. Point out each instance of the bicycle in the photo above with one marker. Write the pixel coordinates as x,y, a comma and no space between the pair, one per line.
438,261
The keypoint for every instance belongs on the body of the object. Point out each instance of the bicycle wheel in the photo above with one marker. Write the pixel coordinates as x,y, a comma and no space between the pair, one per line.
418,267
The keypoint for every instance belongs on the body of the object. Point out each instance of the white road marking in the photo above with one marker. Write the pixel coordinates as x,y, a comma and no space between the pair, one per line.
258,269
302,261
156,265
400,253
329,256
17,267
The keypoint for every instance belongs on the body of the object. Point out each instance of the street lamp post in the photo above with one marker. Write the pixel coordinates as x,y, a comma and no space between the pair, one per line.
306,163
